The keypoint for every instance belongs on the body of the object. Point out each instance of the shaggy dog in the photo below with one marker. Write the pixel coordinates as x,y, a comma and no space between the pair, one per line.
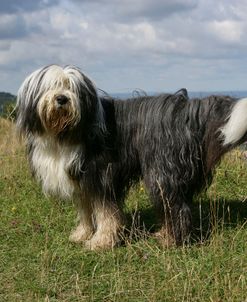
91,149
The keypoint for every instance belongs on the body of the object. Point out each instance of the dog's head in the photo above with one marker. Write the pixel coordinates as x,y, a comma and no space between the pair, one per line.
57,100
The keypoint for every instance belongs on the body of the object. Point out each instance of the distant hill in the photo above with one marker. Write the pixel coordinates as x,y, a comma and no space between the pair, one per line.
192,94
6,97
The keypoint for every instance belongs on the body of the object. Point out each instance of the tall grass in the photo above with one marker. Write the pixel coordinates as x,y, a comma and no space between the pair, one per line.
37,263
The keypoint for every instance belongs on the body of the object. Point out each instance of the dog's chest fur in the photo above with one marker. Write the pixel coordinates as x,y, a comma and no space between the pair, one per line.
50,162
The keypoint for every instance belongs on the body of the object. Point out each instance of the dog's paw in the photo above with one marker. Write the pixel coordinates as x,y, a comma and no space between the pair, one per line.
80,234
102,242
164,239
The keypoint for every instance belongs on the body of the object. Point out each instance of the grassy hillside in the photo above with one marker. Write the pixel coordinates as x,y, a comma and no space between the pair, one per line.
37,263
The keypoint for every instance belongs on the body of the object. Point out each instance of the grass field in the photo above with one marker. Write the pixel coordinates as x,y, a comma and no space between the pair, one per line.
37,262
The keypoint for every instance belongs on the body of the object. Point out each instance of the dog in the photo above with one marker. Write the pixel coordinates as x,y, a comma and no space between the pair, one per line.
92,148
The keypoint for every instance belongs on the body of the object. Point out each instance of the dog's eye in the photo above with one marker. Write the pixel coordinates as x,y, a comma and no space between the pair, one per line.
67,83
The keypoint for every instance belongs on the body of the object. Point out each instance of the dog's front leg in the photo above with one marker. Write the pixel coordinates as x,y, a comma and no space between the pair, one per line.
108,223
85,228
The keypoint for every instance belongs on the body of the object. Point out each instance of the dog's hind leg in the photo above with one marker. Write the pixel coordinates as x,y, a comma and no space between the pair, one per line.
175,223
109,224
173,212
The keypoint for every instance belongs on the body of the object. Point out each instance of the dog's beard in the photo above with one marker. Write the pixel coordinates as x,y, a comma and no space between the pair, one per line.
56,118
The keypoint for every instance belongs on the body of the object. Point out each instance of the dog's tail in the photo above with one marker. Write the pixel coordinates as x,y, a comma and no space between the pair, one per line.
235,128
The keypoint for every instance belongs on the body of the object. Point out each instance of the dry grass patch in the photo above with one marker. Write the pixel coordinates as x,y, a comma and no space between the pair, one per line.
9,143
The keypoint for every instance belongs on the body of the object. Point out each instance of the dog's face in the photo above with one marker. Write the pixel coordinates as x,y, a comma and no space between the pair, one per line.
55,99
59,105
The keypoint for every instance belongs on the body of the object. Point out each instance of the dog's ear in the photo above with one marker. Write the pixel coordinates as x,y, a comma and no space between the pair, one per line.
27,99
92,112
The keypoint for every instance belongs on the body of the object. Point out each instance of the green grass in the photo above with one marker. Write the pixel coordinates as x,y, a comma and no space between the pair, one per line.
37,262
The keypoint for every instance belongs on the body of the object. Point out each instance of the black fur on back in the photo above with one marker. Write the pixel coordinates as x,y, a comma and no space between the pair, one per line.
169,141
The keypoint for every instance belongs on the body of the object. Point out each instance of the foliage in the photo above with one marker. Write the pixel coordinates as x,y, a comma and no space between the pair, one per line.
8,111
7,105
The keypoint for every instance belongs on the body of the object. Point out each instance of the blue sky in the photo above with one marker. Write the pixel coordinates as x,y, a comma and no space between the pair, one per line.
154,45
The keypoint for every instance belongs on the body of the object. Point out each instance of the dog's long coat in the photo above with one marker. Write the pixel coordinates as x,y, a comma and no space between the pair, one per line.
92,149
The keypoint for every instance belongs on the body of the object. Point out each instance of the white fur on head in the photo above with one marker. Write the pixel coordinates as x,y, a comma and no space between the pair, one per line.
236,126
57,82
38,95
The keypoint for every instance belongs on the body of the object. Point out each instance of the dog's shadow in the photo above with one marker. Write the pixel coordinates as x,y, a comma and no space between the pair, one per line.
215,216
208,217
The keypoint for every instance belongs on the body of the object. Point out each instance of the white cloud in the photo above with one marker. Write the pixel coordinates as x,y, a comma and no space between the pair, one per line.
159,45
227,30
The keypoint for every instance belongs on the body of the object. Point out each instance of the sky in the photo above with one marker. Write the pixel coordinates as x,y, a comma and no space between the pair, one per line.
154,45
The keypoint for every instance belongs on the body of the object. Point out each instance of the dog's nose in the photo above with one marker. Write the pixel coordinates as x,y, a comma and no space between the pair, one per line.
62,99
